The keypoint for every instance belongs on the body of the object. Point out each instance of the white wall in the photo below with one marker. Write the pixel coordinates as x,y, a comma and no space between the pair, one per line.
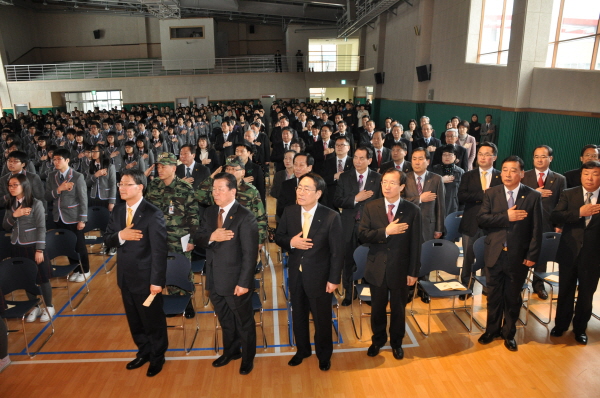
182,52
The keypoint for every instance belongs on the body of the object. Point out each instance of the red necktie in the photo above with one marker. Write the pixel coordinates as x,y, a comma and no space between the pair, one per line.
378,157
541,180
390,214
398,167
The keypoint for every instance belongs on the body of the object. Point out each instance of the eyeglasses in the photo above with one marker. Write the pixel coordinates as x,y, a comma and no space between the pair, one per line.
121,185
447,154
302,189
485,155
340,145
14,185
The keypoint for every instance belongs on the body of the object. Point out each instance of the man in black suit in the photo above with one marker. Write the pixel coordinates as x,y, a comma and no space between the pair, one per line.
398,152
472,187
254,173
461,153
224,142
335,167
366,135
137,229
392,228
427,141
280,148
354,191
381,154
578,212
190,170
311,234
588,152
550,185
303,163
229,233
451,175
511,215
323,149
342,131
396,137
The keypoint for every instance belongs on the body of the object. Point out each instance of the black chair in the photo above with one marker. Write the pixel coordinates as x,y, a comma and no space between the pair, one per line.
5,246
550,242
360,259
62,242
97,221
178,274
198,264
440,255
452,222
20,273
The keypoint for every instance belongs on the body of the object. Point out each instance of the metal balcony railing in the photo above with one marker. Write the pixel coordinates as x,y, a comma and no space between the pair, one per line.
148,67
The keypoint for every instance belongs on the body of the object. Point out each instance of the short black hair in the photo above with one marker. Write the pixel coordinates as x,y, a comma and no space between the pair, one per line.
592,164
320,183
401,144
421,149
229,179
191,147
515,158
20,155
380,132
365,148
547,147
448,149
310,161
394,170
590,146
62,152
490,145
346,140
463,123
136,175
244,144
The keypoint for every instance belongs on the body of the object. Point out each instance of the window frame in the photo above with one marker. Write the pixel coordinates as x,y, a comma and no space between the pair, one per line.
502,23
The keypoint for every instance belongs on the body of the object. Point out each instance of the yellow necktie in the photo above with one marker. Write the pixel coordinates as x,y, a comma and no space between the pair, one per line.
306,225
129,216
483,180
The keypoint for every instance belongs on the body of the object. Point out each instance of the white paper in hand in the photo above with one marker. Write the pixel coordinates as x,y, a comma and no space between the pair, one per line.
184,242
149,300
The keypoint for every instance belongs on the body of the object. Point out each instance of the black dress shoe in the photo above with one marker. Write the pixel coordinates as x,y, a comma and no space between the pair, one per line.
511,344
225,359
409,298
398,353
373,350
425,298
346,302
556,332
487,338
246,367
324,365
189,311
581,338
542,294
137,363
155,368
296,360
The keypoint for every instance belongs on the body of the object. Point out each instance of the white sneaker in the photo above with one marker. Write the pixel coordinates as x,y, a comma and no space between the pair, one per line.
4,362
74,276
33,314
102,250
45,317
112,251
80,277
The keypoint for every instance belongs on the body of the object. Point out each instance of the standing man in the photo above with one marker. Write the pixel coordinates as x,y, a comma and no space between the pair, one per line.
578,212
398,152
511,214
253,172
488,130
229,234
588,152
354,191
68,190
311,232
189,170
472,187
451,176
427,141
381,154
392,227
336,166
550,185
137,229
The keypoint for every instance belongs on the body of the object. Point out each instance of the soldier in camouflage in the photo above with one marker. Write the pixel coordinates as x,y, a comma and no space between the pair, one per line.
247,195
175,198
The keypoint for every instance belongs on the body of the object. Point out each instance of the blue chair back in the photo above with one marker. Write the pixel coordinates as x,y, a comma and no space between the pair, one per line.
19,273
61,242
550,242
178,271
360,259
97,219
479,250
439,255
452,222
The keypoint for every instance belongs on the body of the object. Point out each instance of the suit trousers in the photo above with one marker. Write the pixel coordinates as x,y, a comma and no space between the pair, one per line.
469,256
348,271
504,285
80,247
148,325
379,301
236,316
321,308
588,277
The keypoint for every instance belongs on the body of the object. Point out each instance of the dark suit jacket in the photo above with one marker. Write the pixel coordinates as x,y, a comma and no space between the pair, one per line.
199,173
254,170
578,241
364,138
471,195
523,238
462,157
323,262
277,156
389,141
573,178
406,167
433,213
287,195
554,182
420,143
231,262
386,156
318,153
345,192
329,172
226,151
350,138
139,263
451,187
396,256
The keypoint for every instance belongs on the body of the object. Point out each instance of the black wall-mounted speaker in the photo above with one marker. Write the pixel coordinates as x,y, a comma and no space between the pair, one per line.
379,77
251,28
97,34
424,73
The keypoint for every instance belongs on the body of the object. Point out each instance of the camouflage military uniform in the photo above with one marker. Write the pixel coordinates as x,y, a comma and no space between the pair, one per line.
247,195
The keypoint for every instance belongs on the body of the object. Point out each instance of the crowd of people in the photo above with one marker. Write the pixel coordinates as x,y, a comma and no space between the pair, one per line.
339,181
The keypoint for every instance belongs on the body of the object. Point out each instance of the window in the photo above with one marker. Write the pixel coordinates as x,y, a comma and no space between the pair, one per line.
574,35
317,94
187,32
494,34
86,101
322,57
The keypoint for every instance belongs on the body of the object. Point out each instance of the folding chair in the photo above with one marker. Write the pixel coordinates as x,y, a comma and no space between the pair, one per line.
550,242
452,222
360,259
198,264
62,242
20,273
97,221
178,273
256,307
479,250
440,255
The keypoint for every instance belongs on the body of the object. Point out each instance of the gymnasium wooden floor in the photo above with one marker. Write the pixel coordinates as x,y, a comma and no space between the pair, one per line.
87,355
